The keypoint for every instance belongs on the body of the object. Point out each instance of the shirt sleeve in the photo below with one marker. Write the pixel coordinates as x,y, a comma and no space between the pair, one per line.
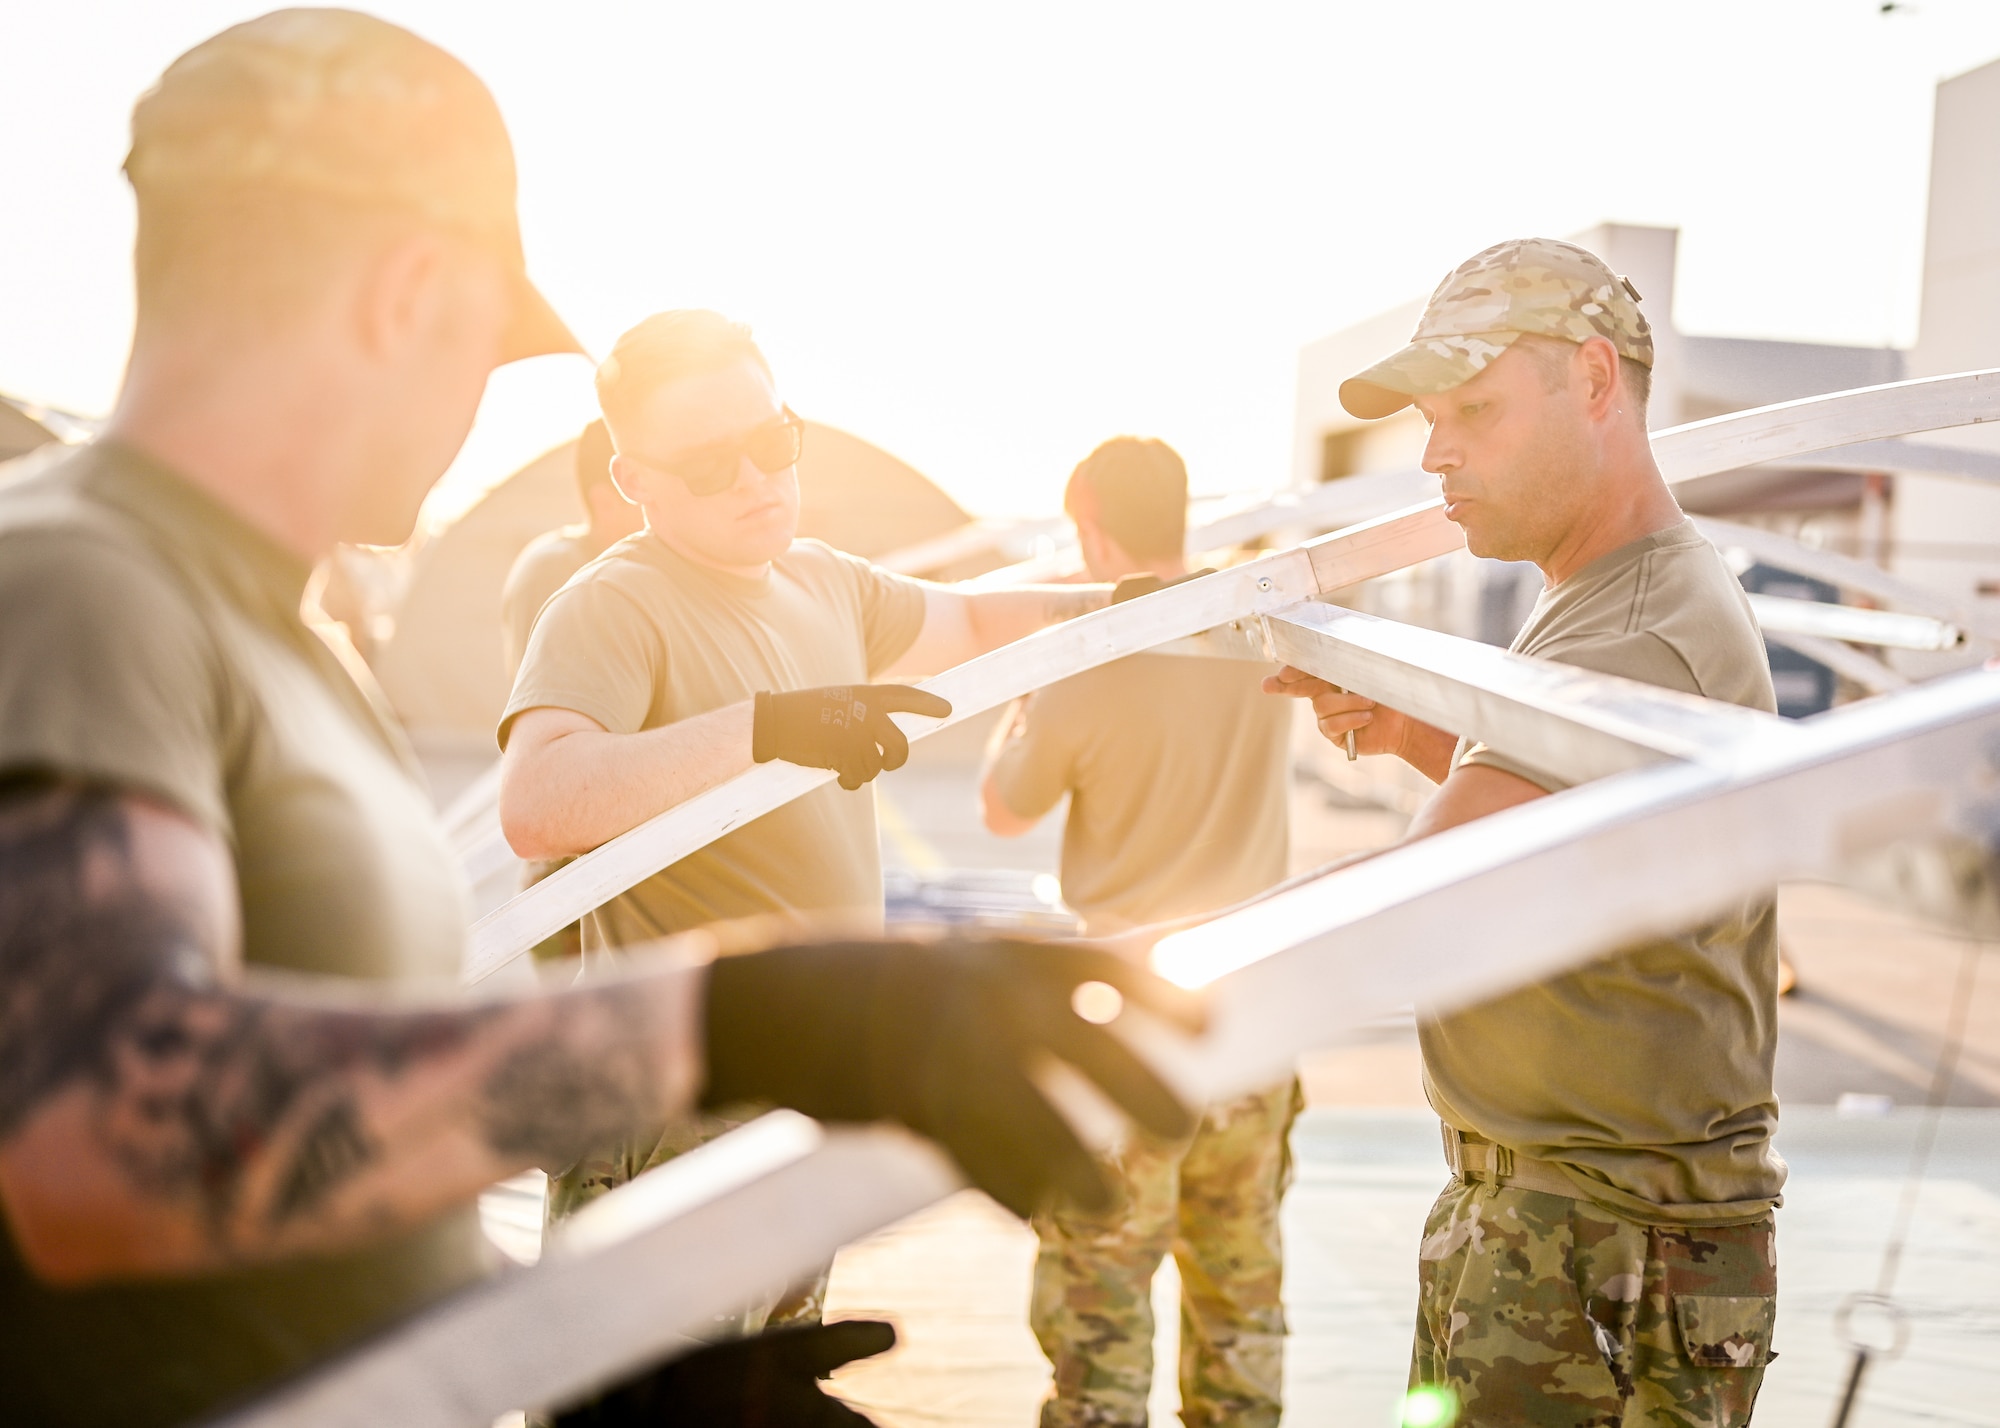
1037,765
517,616
107,674
891,606
592,651
1639,655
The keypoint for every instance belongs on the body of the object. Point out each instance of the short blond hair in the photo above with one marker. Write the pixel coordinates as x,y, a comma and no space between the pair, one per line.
687,342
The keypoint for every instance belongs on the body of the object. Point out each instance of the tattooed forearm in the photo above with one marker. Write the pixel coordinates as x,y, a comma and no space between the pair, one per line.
259,1123
333,1149
553,1103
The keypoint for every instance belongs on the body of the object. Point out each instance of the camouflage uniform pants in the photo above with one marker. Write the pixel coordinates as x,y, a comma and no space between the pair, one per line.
595,1175
1212,1202
1540,1309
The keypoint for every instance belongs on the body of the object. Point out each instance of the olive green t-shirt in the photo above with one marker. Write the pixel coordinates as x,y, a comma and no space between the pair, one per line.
1646,1075
643,637
540,570
1177,774
151,640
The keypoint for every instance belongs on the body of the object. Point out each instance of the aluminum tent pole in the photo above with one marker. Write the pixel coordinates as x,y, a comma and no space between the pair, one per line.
1344,558
1890,784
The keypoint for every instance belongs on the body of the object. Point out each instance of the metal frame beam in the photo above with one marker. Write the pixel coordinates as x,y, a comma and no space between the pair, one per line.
1332,562
1556,881
1850,574
1549,884
630,1279
1853,624
1358,553
1573,724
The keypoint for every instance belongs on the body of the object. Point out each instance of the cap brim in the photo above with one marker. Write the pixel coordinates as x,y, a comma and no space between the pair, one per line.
536,330
1425,367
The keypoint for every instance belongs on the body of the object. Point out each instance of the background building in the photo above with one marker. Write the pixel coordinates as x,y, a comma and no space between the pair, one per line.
1928,510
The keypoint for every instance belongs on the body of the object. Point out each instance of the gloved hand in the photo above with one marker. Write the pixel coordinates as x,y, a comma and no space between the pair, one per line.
1133,586
940,1036
768,1381
844,727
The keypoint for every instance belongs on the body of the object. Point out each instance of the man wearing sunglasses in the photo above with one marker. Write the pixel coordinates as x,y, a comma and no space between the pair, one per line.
713,640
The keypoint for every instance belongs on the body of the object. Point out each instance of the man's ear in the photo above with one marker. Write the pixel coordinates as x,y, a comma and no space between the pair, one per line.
401,293
1597,363
633,479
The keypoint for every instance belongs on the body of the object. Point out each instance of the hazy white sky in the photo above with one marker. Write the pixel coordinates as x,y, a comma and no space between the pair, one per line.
988,237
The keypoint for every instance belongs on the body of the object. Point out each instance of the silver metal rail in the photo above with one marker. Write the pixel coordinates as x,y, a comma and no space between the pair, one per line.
629,1280
1344,558
1713,806
1851,574
1968,463
1317,568
1556,718
1551,884
1778,615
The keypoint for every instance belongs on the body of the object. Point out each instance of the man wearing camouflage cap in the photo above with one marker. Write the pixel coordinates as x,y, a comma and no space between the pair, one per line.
206,1181
1604,1252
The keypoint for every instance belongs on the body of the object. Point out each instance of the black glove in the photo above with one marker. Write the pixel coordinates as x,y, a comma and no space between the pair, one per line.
1133,586
769,1381
939,1036
843,727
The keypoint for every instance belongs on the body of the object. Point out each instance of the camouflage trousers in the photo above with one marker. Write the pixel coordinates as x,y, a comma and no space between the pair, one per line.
1212,1202
595,1175
1538,1309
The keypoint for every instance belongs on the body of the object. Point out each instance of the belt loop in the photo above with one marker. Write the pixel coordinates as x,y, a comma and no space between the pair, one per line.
1503,1162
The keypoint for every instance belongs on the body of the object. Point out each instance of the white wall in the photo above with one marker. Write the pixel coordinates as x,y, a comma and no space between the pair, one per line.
1937,524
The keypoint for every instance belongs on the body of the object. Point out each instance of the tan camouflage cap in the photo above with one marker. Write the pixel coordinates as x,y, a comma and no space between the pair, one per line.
349,107
1534,285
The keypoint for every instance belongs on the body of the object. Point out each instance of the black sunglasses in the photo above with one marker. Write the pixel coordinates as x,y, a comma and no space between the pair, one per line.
712,469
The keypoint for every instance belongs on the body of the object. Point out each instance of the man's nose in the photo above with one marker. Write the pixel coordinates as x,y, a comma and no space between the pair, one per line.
1441,455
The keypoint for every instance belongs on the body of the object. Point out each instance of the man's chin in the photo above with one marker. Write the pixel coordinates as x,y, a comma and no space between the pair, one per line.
762,540
1484,542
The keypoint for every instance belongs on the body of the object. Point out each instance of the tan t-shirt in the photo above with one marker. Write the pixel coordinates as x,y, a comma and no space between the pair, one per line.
540,570
1176,769
150,640
1647,1075
641,638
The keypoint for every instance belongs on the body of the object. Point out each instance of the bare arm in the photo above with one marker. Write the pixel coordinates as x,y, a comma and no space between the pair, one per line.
1470,792
1001,820
157,1119
567,784
962,624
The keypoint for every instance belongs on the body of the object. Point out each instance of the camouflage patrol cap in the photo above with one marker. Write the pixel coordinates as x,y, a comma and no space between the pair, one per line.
1526,285
348,107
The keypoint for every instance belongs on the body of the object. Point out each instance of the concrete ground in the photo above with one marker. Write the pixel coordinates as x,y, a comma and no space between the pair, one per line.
1858,1044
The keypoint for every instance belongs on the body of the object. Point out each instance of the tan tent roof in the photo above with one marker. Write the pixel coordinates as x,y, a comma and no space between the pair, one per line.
443,667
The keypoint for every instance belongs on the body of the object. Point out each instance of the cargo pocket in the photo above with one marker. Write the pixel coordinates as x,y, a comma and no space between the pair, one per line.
1726,1330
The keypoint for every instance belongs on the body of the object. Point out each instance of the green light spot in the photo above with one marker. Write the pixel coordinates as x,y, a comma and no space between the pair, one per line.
1430,1408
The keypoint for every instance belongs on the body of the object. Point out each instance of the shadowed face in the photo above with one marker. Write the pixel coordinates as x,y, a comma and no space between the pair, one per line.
742,528
1514,451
